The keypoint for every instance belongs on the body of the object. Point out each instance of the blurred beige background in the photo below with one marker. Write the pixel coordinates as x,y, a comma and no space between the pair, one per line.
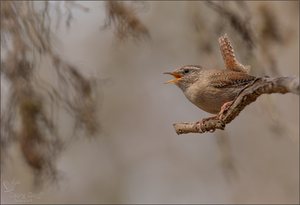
137,156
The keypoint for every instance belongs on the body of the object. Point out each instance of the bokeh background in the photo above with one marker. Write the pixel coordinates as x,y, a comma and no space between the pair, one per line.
136,156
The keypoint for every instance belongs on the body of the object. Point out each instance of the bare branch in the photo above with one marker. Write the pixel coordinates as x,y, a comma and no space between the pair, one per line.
249,94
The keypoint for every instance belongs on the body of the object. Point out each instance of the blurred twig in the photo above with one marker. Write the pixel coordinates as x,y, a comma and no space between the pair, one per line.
27,119
125,21
201,27
240,25
69,5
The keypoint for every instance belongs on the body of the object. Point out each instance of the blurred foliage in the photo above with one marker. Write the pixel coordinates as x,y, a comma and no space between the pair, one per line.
26,36
123,18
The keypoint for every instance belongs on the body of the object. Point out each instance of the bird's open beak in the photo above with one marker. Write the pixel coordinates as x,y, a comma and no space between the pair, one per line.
176,75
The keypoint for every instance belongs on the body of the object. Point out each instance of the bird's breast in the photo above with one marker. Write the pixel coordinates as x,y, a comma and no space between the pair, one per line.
210,99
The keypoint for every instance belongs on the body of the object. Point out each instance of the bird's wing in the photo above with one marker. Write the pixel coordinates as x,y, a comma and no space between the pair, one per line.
230,79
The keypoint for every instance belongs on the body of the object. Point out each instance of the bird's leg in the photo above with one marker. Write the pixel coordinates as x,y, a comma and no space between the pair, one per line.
205,123
224,108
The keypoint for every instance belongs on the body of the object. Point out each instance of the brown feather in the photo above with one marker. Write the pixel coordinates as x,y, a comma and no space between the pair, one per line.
227,79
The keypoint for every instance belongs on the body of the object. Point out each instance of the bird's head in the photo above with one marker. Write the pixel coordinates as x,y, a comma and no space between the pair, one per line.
185,76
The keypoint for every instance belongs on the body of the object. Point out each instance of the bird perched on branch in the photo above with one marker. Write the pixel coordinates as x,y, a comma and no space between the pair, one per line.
213,90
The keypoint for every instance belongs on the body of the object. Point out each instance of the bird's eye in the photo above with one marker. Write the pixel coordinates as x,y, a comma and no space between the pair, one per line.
186,71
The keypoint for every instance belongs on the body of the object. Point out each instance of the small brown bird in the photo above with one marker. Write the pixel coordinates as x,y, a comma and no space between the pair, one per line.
210,89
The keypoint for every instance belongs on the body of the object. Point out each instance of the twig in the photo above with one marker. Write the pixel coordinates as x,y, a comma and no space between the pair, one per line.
248,95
